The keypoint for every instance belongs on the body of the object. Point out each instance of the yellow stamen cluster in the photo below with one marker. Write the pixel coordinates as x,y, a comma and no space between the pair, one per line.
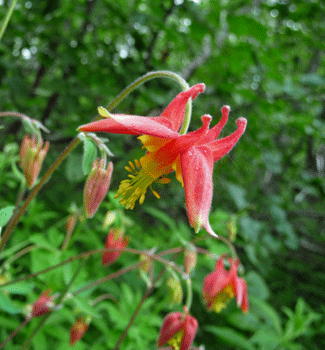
223,298
135,187
175,340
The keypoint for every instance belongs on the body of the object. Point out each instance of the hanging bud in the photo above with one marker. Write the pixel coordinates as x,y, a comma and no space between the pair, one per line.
70,224
174,290
109,218
78,330
96,186
190,255
31,157
232,228
114,239
43,304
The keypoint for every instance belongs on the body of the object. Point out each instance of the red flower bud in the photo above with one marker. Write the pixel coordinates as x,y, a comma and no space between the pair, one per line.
78,330
96,186
114,239
31,157
43,304
178,330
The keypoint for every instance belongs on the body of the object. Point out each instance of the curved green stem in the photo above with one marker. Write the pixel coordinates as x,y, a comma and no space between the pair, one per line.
76,141
189,294
7,18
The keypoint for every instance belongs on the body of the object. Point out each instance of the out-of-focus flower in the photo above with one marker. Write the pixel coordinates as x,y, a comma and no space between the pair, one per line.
43,304
190,255
220,286
178,330
96,186
78,330
114,239
192,155
31,157
175,290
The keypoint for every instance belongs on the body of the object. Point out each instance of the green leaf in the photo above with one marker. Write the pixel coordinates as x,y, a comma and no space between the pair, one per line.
7,305
247,26
230,336
21,288
5,214
257,285
73,170
238,194
89,156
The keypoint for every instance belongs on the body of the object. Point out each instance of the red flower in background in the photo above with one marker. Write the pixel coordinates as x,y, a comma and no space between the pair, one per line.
220,286
78,330
192,155
114,239
43,304
178,330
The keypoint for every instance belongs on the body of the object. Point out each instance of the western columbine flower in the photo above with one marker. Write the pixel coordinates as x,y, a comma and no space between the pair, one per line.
31,157
96,186
43,304
178,330
114,239
78,330
191,155
220,286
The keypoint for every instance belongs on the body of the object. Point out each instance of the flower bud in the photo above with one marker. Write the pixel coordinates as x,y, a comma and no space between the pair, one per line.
31,157
190,255
175,290
43,304
96,186
78,330
114,239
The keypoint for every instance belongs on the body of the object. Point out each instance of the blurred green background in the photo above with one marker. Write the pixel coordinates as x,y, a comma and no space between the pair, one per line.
59,60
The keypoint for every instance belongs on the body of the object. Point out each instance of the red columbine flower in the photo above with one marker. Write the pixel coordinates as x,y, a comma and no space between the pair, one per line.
191,155
96,186
31,157
78,330
43,304
221,285
178,330
114,239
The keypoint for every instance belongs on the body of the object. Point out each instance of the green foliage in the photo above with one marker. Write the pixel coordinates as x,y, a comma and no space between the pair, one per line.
60,60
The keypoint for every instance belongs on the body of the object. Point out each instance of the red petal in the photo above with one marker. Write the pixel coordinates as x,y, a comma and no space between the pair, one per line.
172,324
215,131
197,168
221,147
106,125
130,124
241,294
175,111
191,326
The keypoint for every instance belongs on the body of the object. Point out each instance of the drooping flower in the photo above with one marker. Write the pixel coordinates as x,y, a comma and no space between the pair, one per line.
96,186
78,330
220,286
191,155
114,239
43,304
31,157
178,330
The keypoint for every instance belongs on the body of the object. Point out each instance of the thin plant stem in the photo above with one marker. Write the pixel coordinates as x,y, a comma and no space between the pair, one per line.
17,330
138,308
92,252
45,318
76,141
7,18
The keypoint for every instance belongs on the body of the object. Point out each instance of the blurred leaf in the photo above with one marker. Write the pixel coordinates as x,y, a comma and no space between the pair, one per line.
89,156
7,305
5,215
230,336
238,194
